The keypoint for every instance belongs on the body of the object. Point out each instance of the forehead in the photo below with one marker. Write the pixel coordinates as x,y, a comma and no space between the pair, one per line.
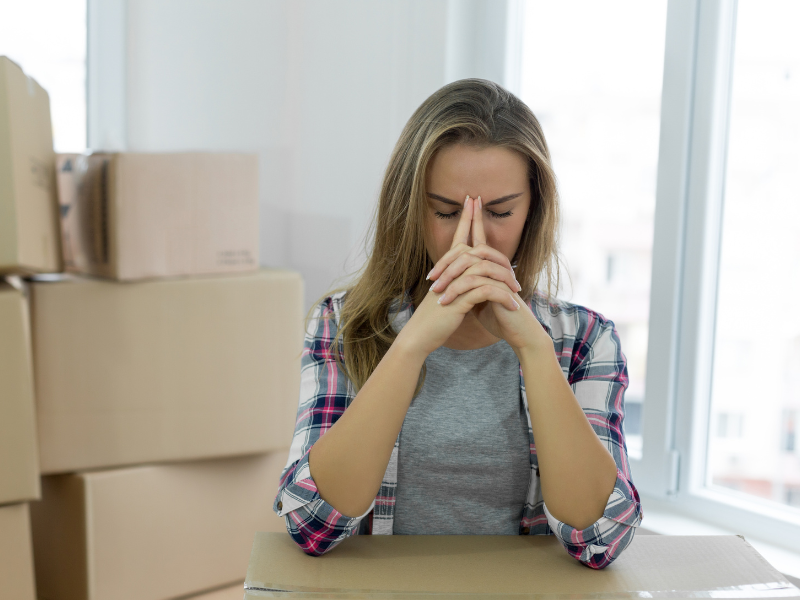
477,170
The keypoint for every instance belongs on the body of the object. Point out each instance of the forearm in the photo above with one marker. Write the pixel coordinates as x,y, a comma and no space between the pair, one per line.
348,462
577,472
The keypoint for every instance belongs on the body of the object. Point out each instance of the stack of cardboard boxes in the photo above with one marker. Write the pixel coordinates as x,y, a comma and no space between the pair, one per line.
160,372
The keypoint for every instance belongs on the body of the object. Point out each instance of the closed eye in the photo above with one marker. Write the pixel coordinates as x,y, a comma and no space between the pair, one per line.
454,214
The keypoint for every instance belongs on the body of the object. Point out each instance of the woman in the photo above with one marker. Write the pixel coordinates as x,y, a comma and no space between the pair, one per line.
442,408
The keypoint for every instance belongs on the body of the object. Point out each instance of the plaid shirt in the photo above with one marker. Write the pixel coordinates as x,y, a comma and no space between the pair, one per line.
588,348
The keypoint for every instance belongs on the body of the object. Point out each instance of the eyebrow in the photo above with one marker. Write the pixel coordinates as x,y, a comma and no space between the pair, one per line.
491,203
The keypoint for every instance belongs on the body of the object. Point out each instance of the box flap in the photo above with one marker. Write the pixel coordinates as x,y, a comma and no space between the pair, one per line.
29,228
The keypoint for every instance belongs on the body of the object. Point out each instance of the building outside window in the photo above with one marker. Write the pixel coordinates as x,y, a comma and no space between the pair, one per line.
592,74
756,372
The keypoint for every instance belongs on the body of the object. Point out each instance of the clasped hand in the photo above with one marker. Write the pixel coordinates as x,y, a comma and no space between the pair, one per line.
479,279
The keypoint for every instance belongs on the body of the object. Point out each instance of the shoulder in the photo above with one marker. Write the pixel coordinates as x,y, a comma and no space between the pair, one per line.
322,322
328,309
564,319
581,336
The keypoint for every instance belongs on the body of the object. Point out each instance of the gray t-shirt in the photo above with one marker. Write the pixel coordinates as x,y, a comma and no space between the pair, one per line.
464,462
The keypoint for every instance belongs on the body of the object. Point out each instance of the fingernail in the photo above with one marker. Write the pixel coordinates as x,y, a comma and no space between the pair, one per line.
439,301
480,204
435,285
467,198
429,274
519,286
515,304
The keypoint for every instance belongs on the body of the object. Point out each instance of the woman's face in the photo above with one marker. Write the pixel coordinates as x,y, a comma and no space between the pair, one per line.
498,175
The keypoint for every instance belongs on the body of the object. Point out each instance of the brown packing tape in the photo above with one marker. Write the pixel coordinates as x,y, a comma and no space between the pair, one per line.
534,566
83,192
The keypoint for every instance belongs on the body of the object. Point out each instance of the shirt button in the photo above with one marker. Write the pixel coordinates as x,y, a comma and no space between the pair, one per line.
280,505
526,531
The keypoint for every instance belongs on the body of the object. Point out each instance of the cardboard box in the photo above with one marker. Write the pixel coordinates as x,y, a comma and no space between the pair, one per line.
165,370
136,216
29,232
152,532
16,558
653,566
231,592
19,464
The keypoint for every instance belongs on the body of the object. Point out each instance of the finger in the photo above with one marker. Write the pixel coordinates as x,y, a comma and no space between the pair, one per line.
465,283
483,251
487,292
478,235
459,264
451,265
462,231
488,253
446,260
469,264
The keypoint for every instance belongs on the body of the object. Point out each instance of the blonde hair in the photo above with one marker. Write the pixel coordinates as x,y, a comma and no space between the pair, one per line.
470,111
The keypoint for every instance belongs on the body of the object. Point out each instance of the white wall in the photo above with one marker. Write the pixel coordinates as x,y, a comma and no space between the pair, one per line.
319,89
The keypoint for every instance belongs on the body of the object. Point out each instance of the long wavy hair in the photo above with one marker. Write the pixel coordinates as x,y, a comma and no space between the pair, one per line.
476,112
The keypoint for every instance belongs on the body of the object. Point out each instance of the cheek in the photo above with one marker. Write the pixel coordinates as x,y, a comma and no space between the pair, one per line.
504,234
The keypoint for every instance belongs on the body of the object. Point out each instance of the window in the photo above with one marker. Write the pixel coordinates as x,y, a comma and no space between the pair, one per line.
47,38
591,72
723,369
755,337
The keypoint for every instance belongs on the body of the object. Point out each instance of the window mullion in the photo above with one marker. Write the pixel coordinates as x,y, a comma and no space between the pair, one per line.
716,29
653,473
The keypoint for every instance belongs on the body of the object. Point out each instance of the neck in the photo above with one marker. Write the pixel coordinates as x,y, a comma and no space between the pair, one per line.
470,335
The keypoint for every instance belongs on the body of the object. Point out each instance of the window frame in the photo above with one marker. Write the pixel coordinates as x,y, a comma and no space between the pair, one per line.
695,107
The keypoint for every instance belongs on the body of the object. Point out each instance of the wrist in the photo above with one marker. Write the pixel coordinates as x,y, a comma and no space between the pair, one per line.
536,352
406,347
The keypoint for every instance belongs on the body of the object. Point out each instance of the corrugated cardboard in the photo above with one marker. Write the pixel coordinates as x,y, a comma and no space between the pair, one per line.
165,370
29,236
19,464
233,592
16,558
154,532
651,567
136,216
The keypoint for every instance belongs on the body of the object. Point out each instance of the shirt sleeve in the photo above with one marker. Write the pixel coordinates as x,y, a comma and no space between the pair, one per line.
599,377
315,525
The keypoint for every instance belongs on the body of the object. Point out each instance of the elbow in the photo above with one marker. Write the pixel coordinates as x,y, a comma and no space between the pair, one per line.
312,550
600,556
313,542
311,545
